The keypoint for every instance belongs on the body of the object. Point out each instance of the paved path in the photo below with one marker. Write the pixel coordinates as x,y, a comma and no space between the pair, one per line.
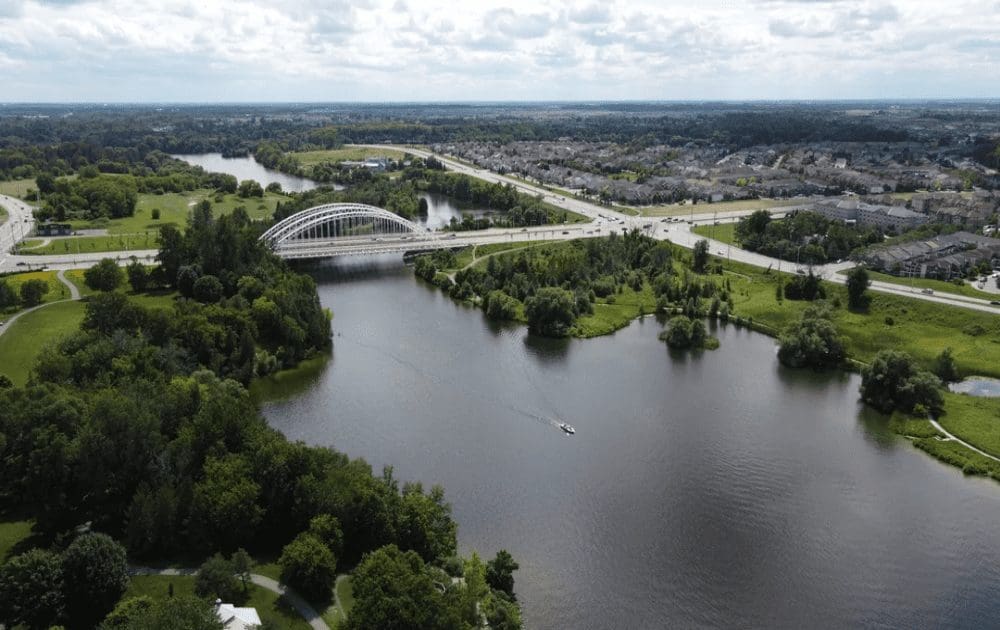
951,437
74,293
300,605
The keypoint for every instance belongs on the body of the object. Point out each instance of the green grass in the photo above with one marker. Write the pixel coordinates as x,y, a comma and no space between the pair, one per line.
75,276
92,244
57,290
17,187
270,606
335,616
12,533
908,426
951,452
30,243
351,154
615,312
23,342
175,207
937,285
722,207
975,420
724,232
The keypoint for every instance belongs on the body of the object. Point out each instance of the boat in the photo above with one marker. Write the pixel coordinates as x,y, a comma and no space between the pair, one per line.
567,428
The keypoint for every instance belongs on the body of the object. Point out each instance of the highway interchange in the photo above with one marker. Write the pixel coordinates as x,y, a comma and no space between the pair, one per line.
603,220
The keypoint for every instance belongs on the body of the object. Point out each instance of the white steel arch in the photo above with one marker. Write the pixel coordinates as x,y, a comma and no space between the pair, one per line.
338,220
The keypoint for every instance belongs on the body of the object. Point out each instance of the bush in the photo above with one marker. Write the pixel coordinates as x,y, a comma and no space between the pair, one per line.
104,276
216,579
32,292
155,213
551,312
309,566
893,381
499,305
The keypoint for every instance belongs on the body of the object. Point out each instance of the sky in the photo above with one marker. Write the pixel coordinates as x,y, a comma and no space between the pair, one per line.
483,50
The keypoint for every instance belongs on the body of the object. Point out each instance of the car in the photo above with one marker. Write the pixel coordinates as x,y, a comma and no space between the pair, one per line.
927,291
22,264
995,302
565,231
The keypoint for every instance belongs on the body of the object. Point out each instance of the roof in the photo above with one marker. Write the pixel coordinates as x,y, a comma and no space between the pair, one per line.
237,618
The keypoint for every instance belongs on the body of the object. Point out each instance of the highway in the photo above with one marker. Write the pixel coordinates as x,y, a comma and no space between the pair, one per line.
604,220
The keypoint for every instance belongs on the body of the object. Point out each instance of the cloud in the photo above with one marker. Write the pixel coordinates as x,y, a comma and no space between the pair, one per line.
590,14
518,26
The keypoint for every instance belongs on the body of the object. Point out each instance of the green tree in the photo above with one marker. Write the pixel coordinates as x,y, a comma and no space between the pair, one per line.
945,367
893,381
425,523
138,277
499,305
394,591
242,565
700,256
31,589
250,188
857,287
32,292
104,276
8,297
95,571
225,511
501,613
327,528
678,334
500,573
216,579
174,613
155,214
207,289
813,342
172,252
308,566
551,312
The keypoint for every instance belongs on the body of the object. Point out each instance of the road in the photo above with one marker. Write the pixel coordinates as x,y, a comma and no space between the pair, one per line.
680,231
19,224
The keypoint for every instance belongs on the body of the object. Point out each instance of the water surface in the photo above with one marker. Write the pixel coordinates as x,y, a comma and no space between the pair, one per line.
707,490
248,168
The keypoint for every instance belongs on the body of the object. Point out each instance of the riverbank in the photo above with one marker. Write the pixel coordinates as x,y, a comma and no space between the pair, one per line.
922,329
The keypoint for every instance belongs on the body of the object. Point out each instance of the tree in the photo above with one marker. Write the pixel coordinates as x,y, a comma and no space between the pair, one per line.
155,214
216,579
174,613
327,529
394,591
5,382
893,381
857,286
501,613
550,312
242,565
172,252
208,289
138,277
700,256
225,512
425,523
95,570
32,292
31,589
813,342
500,573
250,188
945,368
187,275
679,332
104,276
499,305
308,566
8,297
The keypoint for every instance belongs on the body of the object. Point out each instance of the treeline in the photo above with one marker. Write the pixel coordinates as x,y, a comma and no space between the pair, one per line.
551,287
804,237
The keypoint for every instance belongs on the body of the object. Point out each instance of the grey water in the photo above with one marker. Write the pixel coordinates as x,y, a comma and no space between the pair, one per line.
980,386
441,209
248,168
714,489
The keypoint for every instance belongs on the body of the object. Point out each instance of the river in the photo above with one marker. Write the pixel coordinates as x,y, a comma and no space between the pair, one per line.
248,168
701,490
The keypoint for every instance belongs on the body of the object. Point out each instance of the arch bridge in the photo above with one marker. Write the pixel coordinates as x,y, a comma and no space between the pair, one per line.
344,229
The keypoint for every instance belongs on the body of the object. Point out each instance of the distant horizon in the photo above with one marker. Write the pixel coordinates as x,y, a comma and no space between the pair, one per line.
679,101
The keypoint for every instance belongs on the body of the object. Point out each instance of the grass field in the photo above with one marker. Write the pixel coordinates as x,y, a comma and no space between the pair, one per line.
23,342
722,207
92,244
335,616
937,285
724,232
975,420
12,533
57,290
270,606
17,187
75,276
174,209
351,154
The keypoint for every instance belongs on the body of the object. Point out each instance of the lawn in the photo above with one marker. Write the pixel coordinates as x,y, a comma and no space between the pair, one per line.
333,615
57,290
937,285
12,533
270,606
17,187
351,154
722,207
76,277
23,342
174,209
91,244
724,232
975,420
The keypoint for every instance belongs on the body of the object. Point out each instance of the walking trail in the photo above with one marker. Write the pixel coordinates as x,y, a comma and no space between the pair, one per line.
74,294
949,436
300,605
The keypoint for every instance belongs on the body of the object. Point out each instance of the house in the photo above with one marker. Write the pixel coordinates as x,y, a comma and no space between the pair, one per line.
53,229
237,618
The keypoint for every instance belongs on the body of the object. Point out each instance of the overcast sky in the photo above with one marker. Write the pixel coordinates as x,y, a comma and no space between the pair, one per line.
420,50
